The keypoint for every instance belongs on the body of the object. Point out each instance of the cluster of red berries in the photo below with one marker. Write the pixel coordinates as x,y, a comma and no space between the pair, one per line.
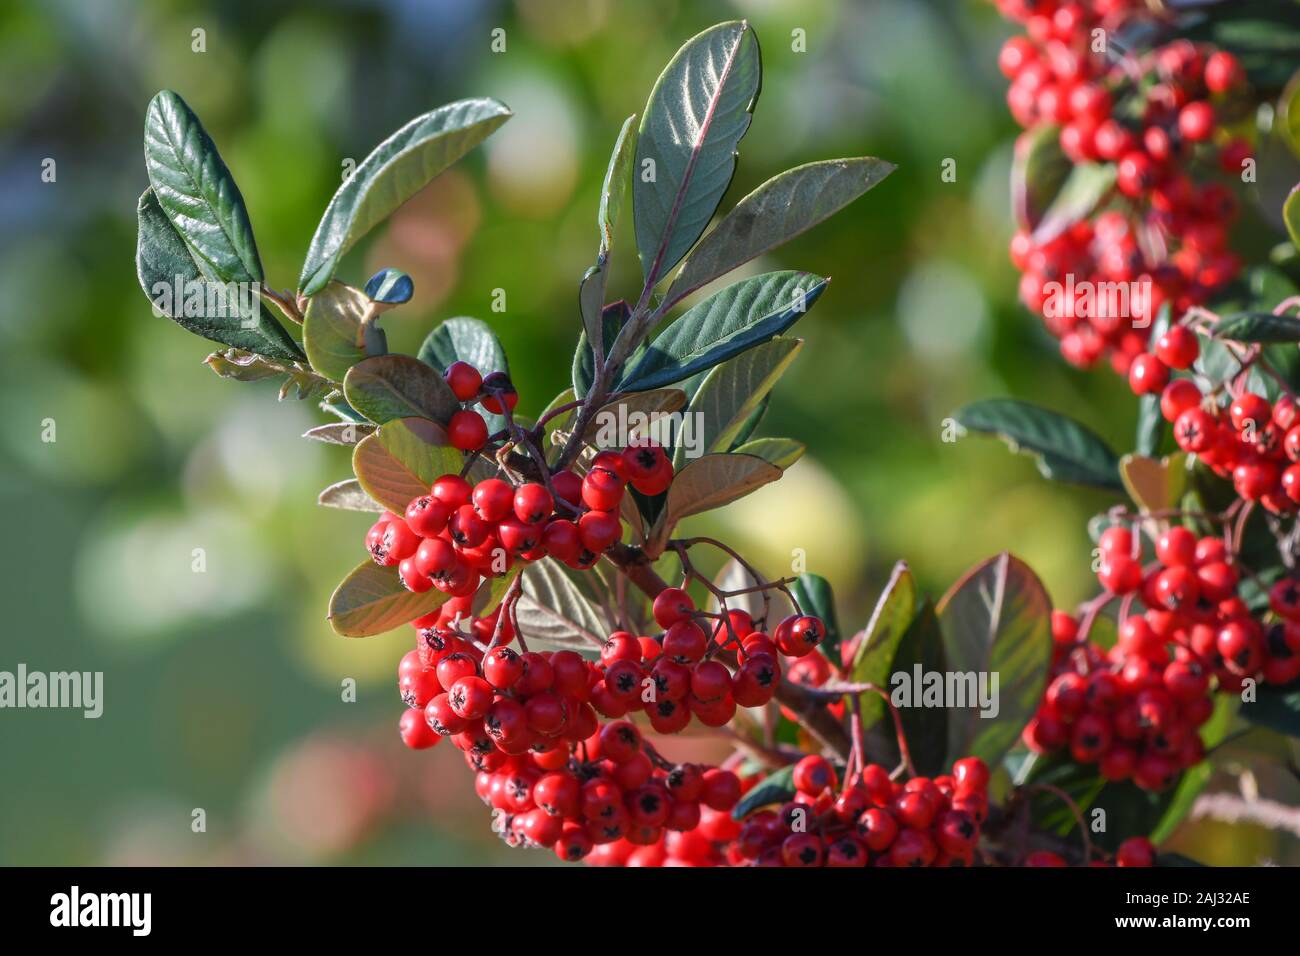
460,533
466,429
1154,117
558,776
1135,709
1253,442
544,730
872,821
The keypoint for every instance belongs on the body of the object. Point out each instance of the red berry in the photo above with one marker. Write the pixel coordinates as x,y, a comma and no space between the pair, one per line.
672,605
1178,347
463,379
452,490
415,730
1136,851
533,503
427,516
602,490
467,431
1147,374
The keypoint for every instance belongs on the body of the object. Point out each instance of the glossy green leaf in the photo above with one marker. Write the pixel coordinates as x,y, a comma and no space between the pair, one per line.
926,728
686,147
1039,170
731,393
402,459
395,170
776,787
1277,708
197,192
615,187
777,211
372,600
194,298
330,327
996,621
1065,449
398,386
875,648
1258,327
1079,195
782,452
727,323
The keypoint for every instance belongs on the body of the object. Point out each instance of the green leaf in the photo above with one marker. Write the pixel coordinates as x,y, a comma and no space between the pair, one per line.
197,192
1083,190
776,787
751,424
1065,449
782,452
464,339
727,323
349,496
777,211
402,459
813,592
712,481
553,611
1258,327
996,621
926,728
731,393
372,600
395,170
874,649
177,286
686,148
584,366
330,326
614,189
398,386
1277,708
1039,170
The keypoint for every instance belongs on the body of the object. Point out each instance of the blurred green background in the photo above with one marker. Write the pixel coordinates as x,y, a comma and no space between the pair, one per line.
222,688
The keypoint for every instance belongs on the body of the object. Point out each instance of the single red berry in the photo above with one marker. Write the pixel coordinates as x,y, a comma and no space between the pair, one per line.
463,379
467,431
1136,851
598,530
412,578
533,503
415,730
427,516
602,490
499,382
502,668
560,539
814,774
1196,121
452,490
1147,374
1178,347
685,642
672,605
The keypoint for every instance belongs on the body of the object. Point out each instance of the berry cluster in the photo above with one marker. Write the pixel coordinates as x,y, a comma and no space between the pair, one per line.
545,730
1135,709
1253,442
872,821
1163,229
460,533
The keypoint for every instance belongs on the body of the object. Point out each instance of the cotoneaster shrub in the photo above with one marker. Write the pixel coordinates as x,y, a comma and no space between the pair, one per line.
563,632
